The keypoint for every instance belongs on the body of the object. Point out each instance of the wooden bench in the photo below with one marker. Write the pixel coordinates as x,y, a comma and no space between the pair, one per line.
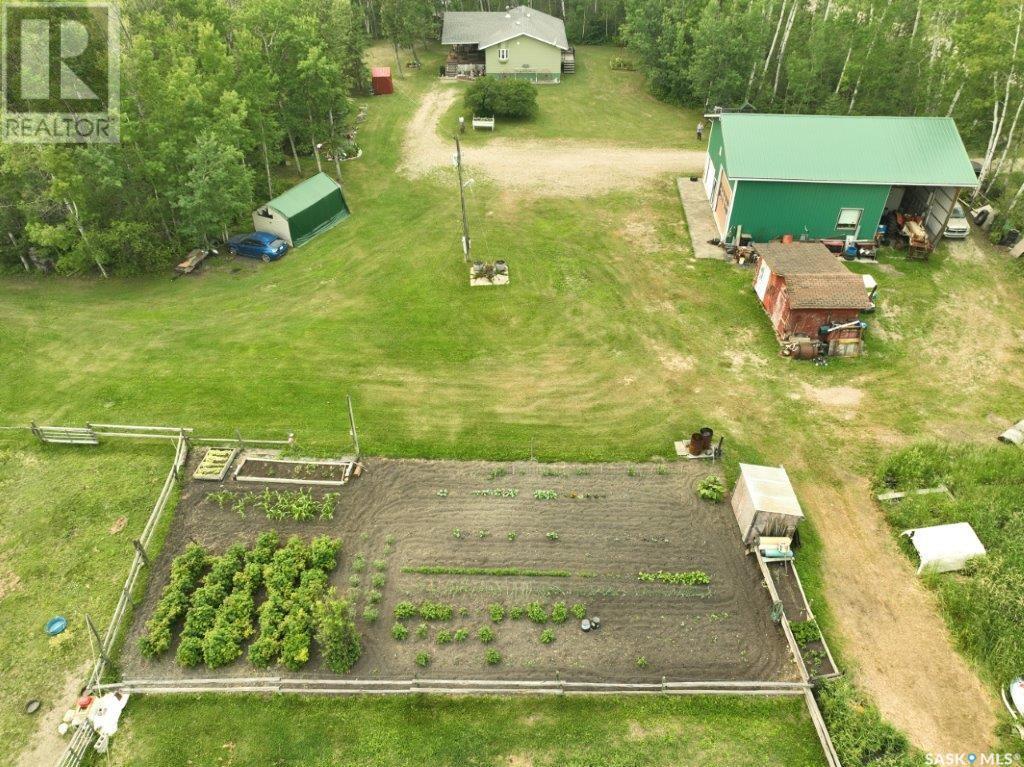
483,122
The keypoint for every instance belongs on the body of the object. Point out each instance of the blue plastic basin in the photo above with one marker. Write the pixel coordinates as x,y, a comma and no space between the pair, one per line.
56,625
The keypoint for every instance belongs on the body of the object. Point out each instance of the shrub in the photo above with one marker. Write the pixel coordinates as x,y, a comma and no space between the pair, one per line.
559,612
485,635
579,611
323,553
491,96
370,614
536,612
337,636
711,489
493,657
444,636
547,636
422,660
405,610
399,632
497,612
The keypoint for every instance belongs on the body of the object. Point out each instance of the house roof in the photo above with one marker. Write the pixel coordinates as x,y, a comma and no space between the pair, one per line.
815,278
485,28
304,194
770,489
890,151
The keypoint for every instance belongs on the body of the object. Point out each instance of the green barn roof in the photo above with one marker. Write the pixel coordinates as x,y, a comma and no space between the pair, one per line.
304,195
896,151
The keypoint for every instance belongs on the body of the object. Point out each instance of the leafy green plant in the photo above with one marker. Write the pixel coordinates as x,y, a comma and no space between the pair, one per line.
497,612
380,565
517,612
545,495
444,636
186,571
422,659
370,614
399,632
460,635
579,611
405,610
496,571
805,632
559,612
442,493
222,498
535,612
354,581
497,473
337,636
641,662
689,578
458,534
512,535
359,563
711,489
421,631
373,596
485,635
435,611
378,580
547,636
552,536
493,657
631,471
497,492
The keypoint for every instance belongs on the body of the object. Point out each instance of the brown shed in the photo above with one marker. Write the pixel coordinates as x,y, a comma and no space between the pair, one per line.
810,294
764,503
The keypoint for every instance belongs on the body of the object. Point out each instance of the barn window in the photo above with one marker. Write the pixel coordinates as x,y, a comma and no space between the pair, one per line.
502,54
849,218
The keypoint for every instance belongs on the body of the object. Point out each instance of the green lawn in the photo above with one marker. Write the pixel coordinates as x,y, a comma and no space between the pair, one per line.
610,343
593,104
58,557
543,732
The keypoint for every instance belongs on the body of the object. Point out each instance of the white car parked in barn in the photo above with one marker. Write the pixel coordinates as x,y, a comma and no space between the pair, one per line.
957,228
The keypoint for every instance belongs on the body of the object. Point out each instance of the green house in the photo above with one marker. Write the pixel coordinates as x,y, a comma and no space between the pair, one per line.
517,42
830,177
304,211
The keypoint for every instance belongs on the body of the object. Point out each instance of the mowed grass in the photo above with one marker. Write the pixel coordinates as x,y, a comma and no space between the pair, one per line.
395,732
59,557
593,104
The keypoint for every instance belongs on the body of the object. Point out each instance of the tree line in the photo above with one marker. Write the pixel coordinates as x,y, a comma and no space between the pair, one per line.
214,95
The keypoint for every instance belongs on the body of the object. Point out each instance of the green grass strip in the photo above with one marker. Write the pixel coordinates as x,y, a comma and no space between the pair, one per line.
499,571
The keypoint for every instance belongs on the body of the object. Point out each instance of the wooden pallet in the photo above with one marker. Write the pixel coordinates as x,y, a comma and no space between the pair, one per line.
66,435
215,464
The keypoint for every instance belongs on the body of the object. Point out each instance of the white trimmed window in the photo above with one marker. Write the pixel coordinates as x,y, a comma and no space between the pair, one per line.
849,219
503,54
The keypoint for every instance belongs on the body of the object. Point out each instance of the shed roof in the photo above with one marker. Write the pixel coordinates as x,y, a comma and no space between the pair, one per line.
487,28
770,489
943,548
380,72
815,278
841,149
303,195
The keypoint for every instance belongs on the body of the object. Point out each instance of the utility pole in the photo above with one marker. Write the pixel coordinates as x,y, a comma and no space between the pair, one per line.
462,199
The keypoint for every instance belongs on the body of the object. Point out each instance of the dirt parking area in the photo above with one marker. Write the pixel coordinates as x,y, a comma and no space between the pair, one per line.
608,523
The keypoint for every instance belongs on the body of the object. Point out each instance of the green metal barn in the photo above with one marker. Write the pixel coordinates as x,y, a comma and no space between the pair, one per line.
830,177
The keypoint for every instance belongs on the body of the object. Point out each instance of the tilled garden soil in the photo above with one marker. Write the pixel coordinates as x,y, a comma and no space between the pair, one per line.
622,521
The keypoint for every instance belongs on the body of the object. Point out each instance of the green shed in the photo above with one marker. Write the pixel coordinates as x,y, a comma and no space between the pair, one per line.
830,177
305,210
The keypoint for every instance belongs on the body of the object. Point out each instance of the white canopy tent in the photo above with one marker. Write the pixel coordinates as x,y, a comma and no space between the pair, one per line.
944,548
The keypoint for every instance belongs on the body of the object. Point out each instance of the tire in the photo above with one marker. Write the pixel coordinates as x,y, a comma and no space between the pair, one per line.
265,258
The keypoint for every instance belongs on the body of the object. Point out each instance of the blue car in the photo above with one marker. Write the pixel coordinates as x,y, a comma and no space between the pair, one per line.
262,245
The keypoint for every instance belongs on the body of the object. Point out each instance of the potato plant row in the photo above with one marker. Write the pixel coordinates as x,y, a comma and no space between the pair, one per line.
219,608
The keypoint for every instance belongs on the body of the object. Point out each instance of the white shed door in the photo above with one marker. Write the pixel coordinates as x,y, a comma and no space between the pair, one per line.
709,176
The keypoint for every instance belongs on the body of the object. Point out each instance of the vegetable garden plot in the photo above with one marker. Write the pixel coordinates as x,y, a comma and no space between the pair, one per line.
295,472
459,570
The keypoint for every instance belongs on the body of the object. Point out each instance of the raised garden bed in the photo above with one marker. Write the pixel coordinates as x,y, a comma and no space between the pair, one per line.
295,471
215,464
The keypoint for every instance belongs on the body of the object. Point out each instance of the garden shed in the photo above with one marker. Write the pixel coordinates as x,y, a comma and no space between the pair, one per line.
765,503
831,177
380,77
944,548
810,294
304,211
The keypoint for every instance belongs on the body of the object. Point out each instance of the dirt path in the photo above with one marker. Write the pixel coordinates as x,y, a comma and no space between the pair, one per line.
891,626
564,168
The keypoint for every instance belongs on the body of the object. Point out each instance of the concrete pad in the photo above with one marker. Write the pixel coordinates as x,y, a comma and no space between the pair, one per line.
699,221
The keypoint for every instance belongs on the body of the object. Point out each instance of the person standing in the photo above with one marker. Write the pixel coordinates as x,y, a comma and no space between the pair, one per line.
700,130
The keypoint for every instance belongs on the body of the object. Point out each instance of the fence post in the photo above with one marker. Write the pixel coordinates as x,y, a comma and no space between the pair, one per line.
141,551
96,636
35,430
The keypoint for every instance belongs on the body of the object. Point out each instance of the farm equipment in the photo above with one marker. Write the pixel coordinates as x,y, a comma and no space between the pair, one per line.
194,259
